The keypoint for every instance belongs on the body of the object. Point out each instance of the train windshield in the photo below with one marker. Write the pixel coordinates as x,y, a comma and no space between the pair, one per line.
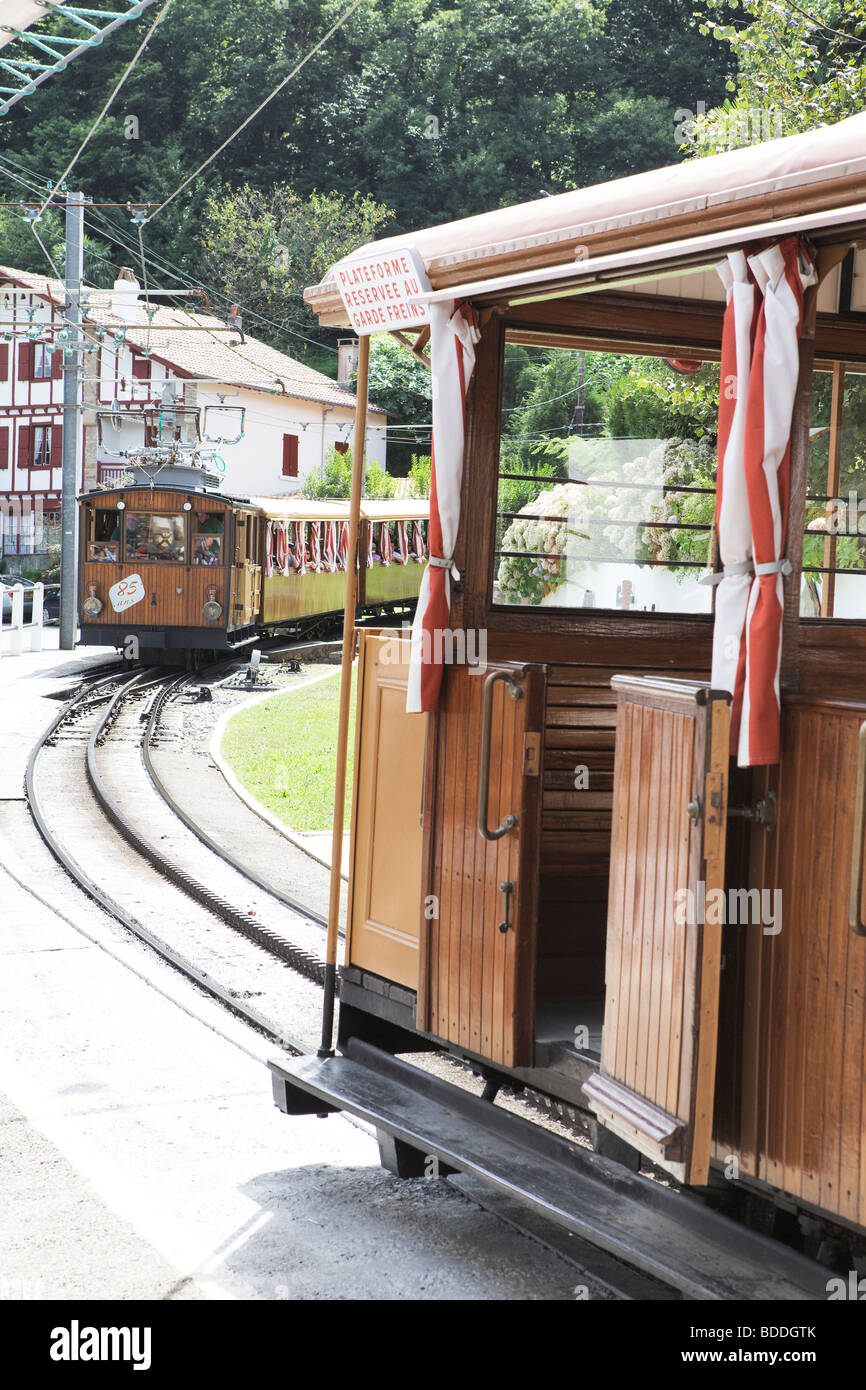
151,536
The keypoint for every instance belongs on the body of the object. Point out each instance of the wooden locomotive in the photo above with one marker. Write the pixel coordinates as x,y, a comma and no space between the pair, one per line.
175,569
579,786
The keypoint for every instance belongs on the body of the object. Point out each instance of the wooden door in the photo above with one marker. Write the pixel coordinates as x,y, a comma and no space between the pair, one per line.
477,968
385,877
656,1083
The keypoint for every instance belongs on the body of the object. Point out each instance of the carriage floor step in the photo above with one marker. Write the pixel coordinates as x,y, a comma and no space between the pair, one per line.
670,1235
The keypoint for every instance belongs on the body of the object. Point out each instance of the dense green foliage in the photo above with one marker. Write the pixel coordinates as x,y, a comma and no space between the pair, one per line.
414,111
334,478
798,66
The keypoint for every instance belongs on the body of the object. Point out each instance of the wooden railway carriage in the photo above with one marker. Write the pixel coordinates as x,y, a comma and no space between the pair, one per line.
556,917
182,569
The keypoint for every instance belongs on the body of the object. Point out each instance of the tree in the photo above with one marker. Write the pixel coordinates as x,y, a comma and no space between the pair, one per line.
799,66
400,384
262,249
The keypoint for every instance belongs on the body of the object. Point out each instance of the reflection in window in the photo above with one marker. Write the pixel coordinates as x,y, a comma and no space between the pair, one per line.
104,540
606,483
207,539
150,536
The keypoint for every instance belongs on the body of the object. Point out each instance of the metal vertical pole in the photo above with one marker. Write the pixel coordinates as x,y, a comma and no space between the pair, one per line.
72,451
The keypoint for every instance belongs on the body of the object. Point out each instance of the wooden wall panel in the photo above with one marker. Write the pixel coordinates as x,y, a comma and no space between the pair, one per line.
477,983
797,1119
384,885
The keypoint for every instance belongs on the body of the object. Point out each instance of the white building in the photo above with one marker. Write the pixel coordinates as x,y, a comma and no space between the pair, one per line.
138,358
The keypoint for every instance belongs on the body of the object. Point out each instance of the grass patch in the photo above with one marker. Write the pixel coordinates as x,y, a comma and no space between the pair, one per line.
284,752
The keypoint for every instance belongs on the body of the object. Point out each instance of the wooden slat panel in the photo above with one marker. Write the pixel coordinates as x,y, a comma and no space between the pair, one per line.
801,1078
384,888
661,1003
479,982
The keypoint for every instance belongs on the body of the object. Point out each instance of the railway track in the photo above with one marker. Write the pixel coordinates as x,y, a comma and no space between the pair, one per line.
104,820
101,807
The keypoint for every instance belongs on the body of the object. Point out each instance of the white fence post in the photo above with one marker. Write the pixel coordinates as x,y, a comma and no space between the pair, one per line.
36,617
16,637
3,592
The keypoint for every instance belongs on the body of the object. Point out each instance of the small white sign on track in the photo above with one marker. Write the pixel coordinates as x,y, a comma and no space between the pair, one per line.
126,592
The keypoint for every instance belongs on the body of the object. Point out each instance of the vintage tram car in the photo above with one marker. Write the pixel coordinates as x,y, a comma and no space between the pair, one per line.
584,787
172,570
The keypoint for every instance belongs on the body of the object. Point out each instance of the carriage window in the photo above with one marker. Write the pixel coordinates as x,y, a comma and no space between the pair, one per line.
152,536
606,481
104,539
834,547
207,539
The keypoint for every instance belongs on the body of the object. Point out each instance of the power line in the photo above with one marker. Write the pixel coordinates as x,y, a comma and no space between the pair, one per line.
96,124
279,87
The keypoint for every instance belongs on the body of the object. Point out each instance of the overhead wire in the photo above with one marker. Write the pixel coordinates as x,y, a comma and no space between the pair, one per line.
269,98
99,119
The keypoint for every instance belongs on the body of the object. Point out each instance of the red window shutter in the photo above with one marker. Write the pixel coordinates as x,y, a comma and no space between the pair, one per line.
290,456
342,446
25,446
141,368
4,447
25,362
56,446
4,361
57,365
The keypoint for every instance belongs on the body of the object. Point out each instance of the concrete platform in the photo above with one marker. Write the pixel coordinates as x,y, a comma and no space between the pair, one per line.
26,683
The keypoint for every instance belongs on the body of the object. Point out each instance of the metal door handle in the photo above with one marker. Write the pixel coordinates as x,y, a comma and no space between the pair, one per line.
507,891
854,921
515,690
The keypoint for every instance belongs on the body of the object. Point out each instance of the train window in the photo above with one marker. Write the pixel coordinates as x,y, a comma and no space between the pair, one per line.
103,542
207,539
606,481
834,548
154,536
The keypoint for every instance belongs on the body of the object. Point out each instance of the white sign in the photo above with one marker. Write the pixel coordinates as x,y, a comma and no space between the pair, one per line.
381,292
126,592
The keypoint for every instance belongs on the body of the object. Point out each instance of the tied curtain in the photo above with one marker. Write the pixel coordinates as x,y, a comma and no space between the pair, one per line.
759,370
453,335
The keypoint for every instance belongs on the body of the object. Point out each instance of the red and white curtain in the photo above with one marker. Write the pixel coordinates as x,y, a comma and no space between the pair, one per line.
315,546
371,554
343,551
760,367
419,549
401,555
269,549
453,335
283,548
330,549
300,547
386,548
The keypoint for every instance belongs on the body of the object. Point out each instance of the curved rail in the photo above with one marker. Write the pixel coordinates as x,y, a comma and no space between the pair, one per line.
115,909
296,956
153,718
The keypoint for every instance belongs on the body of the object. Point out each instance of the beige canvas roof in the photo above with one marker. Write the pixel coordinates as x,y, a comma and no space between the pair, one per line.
819,172
305,509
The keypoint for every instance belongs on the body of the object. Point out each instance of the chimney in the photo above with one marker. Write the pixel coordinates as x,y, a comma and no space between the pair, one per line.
124,298
347,360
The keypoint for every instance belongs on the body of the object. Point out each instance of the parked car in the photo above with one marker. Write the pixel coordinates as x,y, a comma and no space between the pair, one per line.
51,599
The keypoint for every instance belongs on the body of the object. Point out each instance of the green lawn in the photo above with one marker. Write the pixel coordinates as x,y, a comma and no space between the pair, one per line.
283,751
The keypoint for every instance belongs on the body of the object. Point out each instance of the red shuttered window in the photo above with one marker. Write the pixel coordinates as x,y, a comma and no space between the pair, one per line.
4,447
290,456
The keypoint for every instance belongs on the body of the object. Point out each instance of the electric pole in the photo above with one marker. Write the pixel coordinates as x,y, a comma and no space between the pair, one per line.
72,431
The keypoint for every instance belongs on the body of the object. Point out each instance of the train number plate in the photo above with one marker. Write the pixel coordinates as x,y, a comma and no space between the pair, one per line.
126,592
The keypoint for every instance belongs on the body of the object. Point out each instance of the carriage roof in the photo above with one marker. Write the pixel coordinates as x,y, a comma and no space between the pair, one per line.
684,214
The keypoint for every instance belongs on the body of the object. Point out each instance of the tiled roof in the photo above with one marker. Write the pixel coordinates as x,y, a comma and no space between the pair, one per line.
187,341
